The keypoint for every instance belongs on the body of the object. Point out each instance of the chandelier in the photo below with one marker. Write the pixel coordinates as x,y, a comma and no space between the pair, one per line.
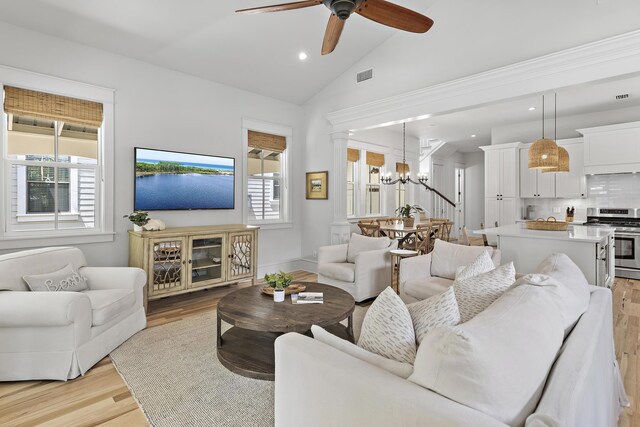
405,176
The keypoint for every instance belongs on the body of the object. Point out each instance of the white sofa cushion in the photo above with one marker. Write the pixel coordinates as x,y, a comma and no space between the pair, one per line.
359,243
438,310
108,303
420,288
343,271
498,362
482,264
387,329
573,291
478,292
67,279
447,257
403,370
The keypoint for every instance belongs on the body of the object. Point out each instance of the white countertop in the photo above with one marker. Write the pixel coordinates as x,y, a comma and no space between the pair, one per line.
577,233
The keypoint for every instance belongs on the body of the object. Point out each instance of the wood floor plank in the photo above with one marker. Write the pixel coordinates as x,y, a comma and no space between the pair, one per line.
101,398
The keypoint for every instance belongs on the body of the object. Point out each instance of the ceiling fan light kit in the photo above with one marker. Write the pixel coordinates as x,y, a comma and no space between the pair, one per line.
379,11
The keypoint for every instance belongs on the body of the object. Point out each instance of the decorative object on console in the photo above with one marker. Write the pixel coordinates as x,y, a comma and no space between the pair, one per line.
317,185
154,225
379,11
138,218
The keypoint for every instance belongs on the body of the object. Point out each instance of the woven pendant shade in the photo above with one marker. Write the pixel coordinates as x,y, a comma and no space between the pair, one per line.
563,161
543,154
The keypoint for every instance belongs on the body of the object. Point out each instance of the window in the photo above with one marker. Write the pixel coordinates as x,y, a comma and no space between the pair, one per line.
52,156
266,184
353,156
372,204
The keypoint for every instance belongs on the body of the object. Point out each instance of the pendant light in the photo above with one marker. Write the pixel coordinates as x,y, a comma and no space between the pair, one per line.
404,177
563,154
543,154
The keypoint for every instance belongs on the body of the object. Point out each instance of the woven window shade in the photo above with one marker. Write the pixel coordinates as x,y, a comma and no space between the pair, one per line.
52,107
402,167
266,141
375,159
353,155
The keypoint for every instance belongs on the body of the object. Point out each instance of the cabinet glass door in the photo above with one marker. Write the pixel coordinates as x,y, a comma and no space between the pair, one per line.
167,264
207,260
241,255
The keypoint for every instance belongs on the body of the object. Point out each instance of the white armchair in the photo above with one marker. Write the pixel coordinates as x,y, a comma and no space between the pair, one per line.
60,335
363,273
424,276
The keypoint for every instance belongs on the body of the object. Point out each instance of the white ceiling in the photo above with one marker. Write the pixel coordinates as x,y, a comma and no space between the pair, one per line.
258,53
456,128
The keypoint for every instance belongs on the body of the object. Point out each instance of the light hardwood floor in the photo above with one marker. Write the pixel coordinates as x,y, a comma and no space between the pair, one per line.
101,398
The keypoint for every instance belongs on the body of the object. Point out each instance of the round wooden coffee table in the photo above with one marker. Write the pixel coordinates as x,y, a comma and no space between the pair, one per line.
247,348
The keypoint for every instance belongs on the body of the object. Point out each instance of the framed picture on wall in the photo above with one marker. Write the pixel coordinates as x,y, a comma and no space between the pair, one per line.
317,183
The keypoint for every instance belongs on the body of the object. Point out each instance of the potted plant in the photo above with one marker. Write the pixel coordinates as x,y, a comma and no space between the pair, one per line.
278,281
138,218
405,213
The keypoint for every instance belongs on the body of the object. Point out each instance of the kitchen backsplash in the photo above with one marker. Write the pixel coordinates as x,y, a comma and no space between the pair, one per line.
603,191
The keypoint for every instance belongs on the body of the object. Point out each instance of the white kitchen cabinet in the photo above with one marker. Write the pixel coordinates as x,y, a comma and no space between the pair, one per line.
502,183
612,149
535,183
572,184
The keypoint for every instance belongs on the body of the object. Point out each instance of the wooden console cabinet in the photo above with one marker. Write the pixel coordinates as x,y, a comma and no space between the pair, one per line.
186,259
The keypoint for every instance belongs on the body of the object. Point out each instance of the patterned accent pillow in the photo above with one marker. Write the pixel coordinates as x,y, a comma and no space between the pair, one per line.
66,279
387,329
482,264
476,293
438,310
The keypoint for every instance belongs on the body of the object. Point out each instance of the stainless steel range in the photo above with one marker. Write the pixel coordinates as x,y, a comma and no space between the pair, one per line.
626,222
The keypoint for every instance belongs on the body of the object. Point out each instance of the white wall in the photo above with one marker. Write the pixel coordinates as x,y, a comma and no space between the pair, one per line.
159,108
474,189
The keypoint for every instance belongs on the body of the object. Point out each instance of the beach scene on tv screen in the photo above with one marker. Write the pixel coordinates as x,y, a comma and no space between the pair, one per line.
172,181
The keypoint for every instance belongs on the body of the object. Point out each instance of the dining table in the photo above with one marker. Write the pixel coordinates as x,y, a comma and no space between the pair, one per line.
401,232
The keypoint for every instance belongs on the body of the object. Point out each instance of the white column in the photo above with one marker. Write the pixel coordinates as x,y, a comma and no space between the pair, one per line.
340,228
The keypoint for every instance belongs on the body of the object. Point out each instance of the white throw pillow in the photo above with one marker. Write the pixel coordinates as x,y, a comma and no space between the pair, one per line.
478,292
66,279
447,257
438,310
573,291
387,329
359,243
498,362
400,369
482,264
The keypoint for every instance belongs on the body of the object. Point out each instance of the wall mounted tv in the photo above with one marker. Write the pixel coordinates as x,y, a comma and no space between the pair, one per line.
170,180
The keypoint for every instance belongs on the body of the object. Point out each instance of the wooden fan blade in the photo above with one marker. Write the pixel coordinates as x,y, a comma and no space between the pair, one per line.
395,16
281,7
332,34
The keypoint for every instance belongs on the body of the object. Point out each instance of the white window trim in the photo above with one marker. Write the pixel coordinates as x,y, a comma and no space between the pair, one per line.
285,193
104,226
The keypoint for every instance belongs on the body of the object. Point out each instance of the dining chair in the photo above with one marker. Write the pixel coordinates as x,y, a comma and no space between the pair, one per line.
444,230
369,229
425,237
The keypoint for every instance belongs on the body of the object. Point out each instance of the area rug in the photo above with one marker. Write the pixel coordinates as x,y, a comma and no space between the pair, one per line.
173,372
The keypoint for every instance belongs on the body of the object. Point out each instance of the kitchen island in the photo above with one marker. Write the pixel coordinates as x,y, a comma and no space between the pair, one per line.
591,248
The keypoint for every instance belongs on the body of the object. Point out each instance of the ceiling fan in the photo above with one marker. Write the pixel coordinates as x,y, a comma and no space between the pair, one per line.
380,11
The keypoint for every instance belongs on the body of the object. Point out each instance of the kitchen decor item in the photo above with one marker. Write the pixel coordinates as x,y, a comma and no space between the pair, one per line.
549,224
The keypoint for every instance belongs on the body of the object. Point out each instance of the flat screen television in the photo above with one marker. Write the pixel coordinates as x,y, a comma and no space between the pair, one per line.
171,180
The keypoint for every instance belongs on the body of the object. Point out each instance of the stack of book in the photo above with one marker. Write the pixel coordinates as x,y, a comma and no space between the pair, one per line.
310,298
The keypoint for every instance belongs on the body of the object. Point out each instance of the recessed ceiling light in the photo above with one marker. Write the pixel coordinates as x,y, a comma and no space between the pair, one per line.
302,56
473,136
532,108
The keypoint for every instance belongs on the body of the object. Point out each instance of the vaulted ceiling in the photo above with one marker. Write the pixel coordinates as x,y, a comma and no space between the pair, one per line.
258,53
